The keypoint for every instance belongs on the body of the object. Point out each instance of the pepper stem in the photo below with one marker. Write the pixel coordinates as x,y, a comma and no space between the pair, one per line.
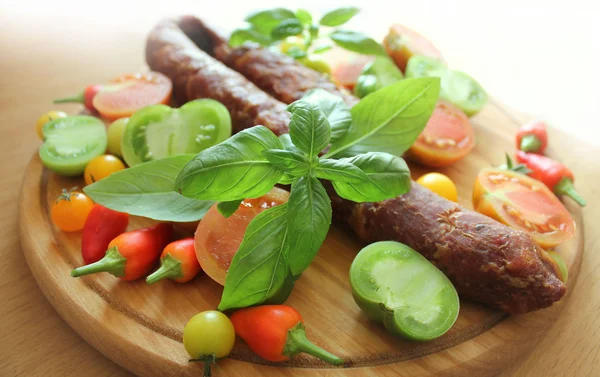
170,268
113,262
530,143
297,342
208,361
78,98
565,187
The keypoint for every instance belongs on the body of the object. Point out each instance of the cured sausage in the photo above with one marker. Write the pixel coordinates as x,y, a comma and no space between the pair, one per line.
487,261
195,74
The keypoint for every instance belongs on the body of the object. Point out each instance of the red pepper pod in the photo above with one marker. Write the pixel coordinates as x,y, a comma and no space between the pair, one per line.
532,137
276,333
552,173
131,255
177,262
86,97
101,226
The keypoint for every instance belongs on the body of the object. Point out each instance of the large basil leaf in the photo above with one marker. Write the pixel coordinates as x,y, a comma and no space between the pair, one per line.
265,21
227,209
286,28
309,218
339,171
241,36
259,270
290,162
388,177
377,74
309,129
304,16
357,42
234,169
339,16
147,190
335,110
389,120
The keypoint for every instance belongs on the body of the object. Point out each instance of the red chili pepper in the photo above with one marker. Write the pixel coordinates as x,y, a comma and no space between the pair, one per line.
131,255
177,262
532,137
276,333
101,226
552,173
86,97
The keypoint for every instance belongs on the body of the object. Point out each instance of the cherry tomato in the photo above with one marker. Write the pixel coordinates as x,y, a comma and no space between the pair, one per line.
447,138
101,167
218,238
292,42
523,203
114,134
346,72
440,184
316,64
208,333
402,43
50,115
70,210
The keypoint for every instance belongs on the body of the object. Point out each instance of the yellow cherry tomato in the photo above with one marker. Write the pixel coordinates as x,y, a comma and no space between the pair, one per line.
101,167
316,64
293,41
440,184
209,333
70,210
41,122
115,134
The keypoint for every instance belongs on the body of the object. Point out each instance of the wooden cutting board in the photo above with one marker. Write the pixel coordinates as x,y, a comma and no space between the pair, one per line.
140,326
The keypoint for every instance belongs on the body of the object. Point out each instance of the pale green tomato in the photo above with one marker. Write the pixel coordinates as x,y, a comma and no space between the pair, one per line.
208,333
115,134
316,64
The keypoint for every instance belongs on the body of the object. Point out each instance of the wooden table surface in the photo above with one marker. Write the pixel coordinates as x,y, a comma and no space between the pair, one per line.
39,62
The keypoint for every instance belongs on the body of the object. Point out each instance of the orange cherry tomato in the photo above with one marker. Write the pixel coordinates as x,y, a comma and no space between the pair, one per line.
440,184
523,203
447,137
346,65
218,238
70,210
101,167
49,116
401,43
133,92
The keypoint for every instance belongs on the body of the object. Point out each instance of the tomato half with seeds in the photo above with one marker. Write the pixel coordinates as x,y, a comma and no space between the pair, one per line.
401,43
218,238
447,137
523,203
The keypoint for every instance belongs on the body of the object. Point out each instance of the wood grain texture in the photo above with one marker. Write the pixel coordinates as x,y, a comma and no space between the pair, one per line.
41,61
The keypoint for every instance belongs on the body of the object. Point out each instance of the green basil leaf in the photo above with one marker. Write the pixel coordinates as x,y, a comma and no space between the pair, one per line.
266,20
309,129
287,179
296,164
339,16
339,171
309,218
259,269
321,49
296,52
228,208
334,108
377,74
147,190
286,141
304,16
313,31
357,42
241,36
286,28
389,120
234,169
388,177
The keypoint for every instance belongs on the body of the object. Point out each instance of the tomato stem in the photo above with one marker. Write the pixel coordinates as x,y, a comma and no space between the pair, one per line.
208,361
113,262
78,98
170,268
530,143
565,187
297,342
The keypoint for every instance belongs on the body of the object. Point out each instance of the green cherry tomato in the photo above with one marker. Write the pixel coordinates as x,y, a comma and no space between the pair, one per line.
208,333
115,134
421,66
316,64
160,131
562,265
71,142
395,285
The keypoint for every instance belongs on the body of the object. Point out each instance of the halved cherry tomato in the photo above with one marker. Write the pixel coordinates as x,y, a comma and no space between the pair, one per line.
132,92
101,167
447,138
218,238
401,43
523,203
346,65
70,210
46,118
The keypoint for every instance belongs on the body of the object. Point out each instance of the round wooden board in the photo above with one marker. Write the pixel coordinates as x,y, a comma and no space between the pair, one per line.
140,326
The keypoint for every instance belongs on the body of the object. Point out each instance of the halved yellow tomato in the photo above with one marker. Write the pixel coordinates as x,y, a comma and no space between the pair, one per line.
218,238
447,137
401,43
523,203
